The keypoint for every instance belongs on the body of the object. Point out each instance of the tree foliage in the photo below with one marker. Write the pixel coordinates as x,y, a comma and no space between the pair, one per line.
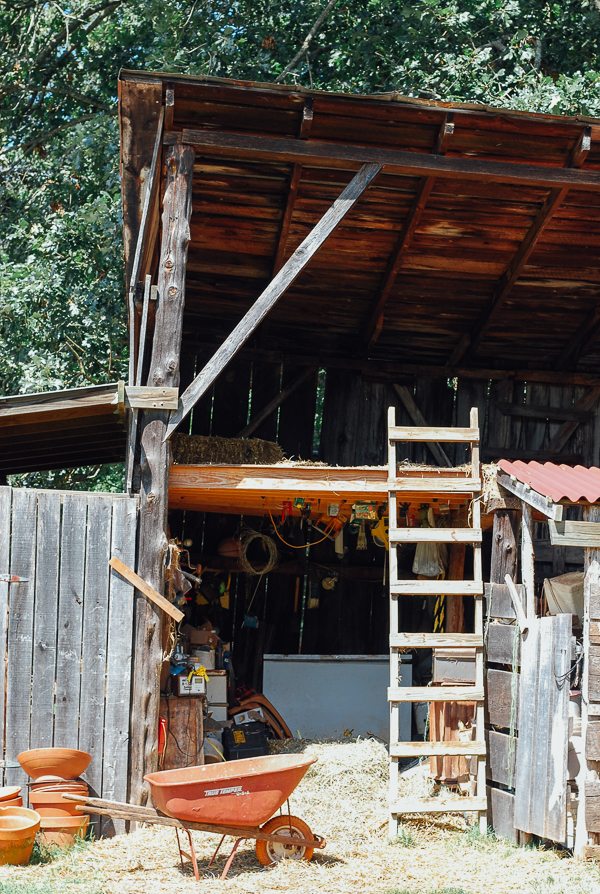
62,307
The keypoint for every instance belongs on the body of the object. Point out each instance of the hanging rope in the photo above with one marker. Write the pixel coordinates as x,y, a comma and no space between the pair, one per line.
270,549
291,545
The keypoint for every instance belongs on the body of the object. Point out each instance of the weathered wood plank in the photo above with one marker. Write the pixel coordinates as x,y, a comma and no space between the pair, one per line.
505,549
592,741
437,587
592,806
46,619
436,535
500,762
70,620
502,605
20,630
531,497
431,433
438,805
95,619
437,749
435,640
501,806
147,590
541,774
417,417
5,513
499,698
574,533
278,285
500,643
435,694
119,655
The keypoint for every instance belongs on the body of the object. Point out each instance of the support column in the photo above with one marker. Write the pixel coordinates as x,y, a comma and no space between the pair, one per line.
155,464
504,545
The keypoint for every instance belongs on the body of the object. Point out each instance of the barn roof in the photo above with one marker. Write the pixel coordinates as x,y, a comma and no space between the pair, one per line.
475,249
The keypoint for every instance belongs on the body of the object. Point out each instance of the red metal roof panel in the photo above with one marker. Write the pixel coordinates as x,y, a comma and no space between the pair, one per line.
557,482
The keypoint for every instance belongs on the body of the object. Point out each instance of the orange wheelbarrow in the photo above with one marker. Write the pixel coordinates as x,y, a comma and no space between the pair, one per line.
238,798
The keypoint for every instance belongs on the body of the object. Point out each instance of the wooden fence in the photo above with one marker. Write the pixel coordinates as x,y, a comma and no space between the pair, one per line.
66,630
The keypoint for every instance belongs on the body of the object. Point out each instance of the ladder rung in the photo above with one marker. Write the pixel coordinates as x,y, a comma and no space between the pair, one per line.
438,805
435,485
420,433
437,587
435,535
436,640
436,749
399,694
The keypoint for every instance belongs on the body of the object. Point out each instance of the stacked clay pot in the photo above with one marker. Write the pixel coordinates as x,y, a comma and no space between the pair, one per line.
10,796
55,772
18,828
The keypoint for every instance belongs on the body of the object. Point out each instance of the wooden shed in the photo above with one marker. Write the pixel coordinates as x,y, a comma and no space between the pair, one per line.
297,263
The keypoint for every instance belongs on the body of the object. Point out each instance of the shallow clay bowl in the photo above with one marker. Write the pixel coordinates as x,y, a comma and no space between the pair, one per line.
14,802
66,762
9,792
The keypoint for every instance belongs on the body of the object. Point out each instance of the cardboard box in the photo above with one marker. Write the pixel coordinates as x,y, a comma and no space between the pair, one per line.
218,712
195,686
207,659
200,637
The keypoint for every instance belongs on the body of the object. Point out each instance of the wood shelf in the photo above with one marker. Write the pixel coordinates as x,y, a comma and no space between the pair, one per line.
434,485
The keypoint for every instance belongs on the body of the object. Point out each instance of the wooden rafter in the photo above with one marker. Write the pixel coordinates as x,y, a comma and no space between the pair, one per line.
552,203
304,133
271,295
344,156
375,322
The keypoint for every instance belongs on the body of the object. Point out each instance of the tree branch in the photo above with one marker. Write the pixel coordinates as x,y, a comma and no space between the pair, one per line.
65,91
42,138
60,38
307,40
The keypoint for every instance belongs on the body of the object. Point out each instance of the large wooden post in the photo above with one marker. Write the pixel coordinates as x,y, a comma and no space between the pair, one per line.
504,545
155,463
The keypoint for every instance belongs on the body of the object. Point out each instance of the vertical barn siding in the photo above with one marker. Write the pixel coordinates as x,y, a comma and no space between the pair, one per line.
67,646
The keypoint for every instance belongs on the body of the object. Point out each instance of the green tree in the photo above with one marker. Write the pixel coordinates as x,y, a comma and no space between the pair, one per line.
62,304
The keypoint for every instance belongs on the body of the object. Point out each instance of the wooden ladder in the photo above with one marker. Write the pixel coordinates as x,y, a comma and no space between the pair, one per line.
397,695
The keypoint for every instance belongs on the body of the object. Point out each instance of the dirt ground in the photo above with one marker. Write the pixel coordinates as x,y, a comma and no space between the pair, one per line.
343,797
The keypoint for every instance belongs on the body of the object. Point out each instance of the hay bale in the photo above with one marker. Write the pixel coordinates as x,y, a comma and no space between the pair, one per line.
189,450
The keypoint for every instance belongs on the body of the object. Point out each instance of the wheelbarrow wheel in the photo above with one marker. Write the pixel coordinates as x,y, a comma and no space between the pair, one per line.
269,852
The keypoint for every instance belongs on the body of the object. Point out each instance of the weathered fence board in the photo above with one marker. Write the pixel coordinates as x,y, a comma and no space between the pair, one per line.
540,789
20,629
70,619
67,646
45,621
500,644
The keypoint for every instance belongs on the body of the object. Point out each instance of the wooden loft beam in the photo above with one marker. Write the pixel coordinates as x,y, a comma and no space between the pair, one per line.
581,341
552,203
304,133
345,157
276,402
271,295
375,322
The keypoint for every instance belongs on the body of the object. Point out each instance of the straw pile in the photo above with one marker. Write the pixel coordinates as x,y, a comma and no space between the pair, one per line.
343,797
200,450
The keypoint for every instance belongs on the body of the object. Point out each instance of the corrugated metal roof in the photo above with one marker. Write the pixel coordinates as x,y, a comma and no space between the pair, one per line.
557,482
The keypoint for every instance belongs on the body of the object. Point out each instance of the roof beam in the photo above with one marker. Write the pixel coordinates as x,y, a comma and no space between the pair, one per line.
375,322
223,144
553,201
304,133
271,295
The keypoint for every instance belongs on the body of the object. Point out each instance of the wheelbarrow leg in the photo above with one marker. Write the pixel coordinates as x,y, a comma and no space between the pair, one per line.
212,859
191,855
227,866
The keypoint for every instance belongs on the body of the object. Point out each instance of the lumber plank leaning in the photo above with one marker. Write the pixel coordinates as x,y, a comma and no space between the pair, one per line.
276,288
408,163
146,589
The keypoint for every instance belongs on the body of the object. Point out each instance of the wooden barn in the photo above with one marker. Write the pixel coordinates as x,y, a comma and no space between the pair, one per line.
341,310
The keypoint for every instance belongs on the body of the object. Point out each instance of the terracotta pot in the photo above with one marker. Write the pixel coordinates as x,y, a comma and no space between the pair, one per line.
9,792
65,762
62,831
58,789
18,828
14,802
52,804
